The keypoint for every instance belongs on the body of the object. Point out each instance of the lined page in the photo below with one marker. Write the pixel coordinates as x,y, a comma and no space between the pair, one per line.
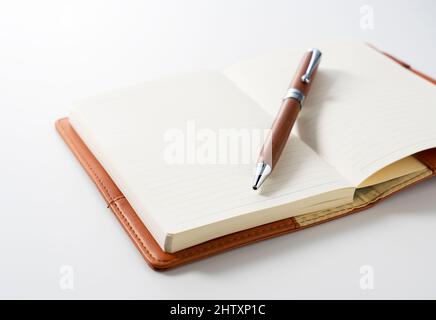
136,132
364,111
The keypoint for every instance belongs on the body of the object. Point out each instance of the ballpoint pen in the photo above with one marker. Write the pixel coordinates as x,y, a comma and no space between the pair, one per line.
285,119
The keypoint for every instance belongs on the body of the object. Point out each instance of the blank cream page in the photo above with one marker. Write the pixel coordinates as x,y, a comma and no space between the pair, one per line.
161,142
364,111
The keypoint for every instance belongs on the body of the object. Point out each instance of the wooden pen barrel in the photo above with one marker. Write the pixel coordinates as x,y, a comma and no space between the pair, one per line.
286,117
280,130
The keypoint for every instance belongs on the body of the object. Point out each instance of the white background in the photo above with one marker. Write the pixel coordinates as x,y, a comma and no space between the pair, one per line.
53,52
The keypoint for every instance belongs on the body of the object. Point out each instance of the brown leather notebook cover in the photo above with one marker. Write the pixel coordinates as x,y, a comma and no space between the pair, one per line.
144,241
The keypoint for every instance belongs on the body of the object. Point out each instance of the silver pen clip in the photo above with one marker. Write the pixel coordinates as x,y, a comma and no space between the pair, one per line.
314,61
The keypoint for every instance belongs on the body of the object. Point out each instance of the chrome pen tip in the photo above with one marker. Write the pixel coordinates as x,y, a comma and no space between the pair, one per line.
263,170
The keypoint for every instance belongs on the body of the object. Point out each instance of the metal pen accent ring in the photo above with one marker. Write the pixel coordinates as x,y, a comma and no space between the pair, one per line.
295,94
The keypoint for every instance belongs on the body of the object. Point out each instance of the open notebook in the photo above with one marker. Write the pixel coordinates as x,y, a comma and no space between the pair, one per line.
161,142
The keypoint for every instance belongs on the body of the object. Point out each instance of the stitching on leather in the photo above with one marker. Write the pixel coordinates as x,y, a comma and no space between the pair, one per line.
115,200
235,238
105,189
202,248
150,255
100,182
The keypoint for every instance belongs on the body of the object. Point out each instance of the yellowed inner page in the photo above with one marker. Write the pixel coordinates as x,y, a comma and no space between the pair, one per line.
364,197
397,169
